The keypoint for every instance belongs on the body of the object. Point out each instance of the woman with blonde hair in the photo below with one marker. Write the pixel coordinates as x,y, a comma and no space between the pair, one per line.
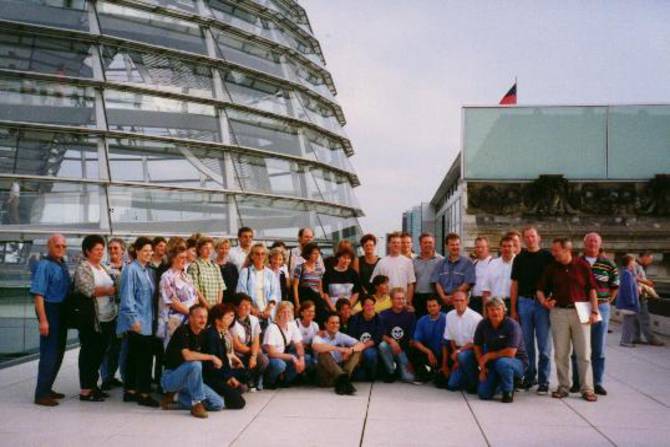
260,283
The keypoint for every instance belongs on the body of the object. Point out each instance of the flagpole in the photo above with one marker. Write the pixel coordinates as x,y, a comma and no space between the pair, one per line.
517,89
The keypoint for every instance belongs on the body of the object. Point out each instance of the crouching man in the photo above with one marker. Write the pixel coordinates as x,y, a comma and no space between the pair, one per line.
338,355
183,367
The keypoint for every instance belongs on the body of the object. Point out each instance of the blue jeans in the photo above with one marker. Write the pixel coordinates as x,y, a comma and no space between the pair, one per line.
535,325
465,376
367,370
187,380
277,367
501,374
52,349
386,353
598,343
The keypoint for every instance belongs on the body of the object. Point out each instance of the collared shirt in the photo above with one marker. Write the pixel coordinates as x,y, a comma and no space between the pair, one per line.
399,270
238,256
606,275
507,335
430,331
498,280
339,339
137,294
423,270
452,274
461,328
207,279
271,287
246,337
481,270
51,280
173,284
567,283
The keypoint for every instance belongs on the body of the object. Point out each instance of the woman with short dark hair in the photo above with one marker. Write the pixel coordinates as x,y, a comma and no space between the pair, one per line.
135,319
307,281
92,280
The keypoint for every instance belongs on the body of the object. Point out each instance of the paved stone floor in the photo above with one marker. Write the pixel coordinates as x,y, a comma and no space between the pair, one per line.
636,412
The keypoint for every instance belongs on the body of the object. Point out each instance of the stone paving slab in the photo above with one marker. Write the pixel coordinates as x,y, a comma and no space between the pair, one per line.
635,413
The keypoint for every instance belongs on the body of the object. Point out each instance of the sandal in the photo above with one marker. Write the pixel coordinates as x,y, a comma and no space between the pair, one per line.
589,397
559,394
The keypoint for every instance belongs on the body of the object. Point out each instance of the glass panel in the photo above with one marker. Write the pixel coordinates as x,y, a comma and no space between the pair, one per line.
273,176
60,13
525,142
157,70
154,115
317,113
334,188
46,102
639,141
48,153
162,163
231,13
256,93
264,133
275,218
338,227
50,205
156,211
184,5
309,78
30,52
144,26
247,53
326,150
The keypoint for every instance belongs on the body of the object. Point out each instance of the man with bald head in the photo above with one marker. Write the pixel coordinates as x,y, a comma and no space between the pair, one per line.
607,285
50,285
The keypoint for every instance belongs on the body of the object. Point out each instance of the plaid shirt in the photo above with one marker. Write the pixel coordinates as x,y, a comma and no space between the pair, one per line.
207,279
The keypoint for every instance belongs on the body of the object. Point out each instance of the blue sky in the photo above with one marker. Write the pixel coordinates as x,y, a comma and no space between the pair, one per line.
404,69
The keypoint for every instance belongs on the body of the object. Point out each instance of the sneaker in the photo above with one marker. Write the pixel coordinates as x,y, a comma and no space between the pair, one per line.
147,401
46,401
507,397
198,411
543,390
600,390
575,388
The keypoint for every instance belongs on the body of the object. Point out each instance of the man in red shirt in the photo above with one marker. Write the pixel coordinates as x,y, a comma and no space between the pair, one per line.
567,281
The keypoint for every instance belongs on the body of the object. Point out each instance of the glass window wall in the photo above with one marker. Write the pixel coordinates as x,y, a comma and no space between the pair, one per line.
71,14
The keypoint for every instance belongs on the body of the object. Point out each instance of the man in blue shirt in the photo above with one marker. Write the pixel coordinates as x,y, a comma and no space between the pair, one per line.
426,353
50,285
455,272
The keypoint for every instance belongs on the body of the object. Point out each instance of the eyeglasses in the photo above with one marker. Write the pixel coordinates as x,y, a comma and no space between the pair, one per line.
60,246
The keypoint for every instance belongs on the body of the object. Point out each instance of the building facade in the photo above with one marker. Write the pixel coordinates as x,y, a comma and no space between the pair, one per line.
168,117
417,220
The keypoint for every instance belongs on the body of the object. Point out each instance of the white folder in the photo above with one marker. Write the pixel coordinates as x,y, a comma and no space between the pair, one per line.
584,311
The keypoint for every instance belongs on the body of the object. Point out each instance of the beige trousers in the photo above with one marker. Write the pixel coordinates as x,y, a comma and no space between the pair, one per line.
327,369
568,332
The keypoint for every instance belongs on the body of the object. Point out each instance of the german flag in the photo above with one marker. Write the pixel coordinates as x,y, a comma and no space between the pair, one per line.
510,97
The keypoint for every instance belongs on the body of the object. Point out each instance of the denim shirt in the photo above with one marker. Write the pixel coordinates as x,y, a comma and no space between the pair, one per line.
451,275
51,280
271,288
137,292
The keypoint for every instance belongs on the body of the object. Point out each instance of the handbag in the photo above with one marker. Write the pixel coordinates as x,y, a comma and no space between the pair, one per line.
79,310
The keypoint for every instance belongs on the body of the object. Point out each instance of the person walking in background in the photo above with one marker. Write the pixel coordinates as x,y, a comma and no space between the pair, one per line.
643,321
50,285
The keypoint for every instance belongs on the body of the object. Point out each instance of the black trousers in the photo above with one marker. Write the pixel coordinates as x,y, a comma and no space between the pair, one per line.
92,352
140,357
232,397
420,362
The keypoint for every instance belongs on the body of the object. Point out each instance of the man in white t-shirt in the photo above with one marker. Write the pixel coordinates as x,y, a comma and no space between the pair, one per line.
498,280
305,236
238,254
458,335
482,261
398,268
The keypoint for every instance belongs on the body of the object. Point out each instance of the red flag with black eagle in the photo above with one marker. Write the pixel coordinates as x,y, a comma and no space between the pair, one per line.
510,97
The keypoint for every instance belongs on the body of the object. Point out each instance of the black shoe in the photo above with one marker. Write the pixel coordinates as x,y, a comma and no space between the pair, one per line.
100,393
598,389
111,384
349,387
147,401
575,389
129,397
389,378
543,390
528,384
91,397
507,398
341,385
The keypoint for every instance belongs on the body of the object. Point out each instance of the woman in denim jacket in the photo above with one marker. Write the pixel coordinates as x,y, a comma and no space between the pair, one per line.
261,284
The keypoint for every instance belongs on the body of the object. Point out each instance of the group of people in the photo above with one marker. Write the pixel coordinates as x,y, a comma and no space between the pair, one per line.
206,322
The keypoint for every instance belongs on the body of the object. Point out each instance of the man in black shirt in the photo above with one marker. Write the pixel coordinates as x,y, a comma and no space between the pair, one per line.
183,367
527,269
